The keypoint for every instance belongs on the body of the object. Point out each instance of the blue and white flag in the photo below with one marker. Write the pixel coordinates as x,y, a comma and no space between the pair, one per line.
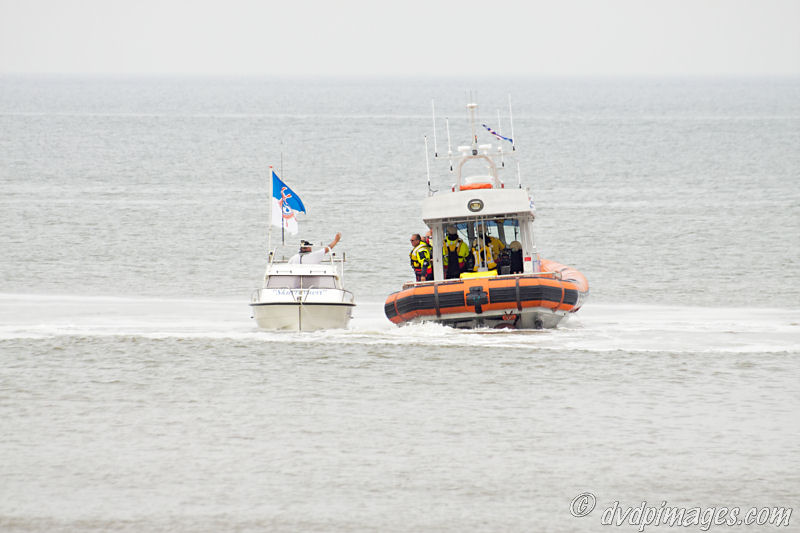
285,204
490,130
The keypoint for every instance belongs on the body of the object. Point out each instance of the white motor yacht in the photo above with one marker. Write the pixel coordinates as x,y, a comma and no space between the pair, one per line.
303,297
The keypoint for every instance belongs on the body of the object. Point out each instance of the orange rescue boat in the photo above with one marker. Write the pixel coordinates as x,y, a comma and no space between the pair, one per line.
502,281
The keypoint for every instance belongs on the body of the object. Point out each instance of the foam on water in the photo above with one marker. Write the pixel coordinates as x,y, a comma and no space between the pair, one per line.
597,328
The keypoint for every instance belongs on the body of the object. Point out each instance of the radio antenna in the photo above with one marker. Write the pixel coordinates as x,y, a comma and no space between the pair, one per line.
449,149
511,119
433,114
428,167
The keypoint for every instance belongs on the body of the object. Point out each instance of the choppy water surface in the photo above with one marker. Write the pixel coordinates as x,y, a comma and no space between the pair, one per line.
137,395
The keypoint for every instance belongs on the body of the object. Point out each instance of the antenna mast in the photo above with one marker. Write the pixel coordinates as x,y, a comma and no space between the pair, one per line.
428,167
449,149
511,119
514,140
472,107
433,114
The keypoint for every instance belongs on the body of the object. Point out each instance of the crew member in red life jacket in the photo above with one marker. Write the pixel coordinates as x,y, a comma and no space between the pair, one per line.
454,253
421,258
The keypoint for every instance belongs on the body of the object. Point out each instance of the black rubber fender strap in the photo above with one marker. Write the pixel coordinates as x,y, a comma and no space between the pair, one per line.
519,302
436,299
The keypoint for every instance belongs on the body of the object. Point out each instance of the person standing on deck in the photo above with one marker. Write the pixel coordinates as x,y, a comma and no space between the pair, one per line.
307,257
482,251
420,256
496,245
454,253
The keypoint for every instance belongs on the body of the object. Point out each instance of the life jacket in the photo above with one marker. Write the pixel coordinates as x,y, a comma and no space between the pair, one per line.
454,255
421,261
456,249
480,251
497,246
420,256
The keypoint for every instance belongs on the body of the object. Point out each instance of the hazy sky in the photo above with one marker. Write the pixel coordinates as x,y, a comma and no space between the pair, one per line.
404,37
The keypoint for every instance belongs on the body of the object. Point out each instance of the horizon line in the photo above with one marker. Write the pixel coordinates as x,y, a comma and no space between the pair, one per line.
395,76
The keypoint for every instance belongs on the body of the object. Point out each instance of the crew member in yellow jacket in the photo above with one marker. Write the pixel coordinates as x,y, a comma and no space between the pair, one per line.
420,256
454,253
482,251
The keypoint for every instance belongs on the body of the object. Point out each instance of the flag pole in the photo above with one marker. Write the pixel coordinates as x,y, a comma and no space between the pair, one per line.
283,224
269,239
283,238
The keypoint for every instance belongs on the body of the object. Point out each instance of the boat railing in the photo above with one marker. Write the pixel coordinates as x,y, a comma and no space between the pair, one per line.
552,275
332,258
472,181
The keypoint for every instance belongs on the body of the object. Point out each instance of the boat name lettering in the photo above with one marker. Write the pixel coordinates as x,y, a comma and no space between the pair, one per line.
290,292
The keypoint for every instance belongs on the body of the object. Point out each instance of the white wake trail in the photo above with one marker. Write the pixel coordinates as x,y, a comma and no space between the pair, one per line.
596,328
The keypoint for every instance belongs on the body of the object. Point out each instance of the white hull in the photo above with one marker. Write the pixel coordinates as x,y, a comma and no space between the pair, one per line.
302,309
301,317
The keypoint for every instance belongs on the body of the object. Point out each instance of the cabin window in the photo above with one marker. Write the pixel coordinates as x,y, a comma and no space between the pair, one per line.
301,282
283,282
318,282
507,254
505,229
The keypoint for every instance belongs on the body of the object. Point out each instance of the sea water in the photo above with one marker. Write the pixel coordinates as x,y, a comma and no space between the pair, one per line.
136,393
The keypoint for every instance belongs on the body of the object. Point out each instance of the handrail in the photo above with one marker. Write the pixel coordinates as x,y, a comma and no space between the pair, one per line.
554,274
492,166
337,262
330,257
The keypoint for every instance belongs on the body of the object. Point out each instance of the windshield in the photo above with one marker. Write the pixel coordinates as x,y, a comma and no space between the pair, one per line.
301,282
506,230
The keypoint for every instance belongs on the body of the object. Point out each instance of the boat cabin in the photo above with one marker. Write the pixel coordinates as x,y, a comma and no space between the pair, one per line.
479,205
